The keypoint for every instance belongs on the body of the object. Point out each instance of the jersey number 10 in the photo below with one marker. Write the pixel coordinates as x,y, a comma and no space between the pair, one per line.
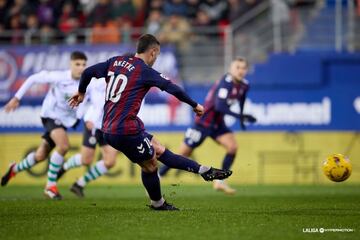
113,92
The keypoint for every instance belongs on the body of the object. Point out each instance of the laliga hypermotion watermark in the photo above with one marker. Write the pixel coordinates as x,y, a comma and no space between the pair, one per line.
327,230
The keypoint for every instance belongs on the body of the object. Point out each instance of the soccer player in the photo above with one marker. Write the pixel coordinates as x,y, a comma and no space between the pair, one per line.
91,137
229,90
56,116
128,79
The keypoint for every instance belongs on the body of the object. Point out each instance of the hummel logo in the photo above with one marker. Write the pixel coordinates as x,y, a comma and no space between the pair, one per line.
141,148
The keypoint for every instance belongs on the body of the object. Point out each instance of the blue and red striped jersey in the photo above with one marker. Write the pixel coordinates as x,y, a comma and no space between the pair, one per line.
128,79
219,99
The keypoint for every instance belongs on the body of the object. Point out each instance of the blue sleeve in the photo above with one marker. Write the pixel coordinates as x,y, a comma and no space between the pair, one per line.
180,94
98,71
242,102
222,94
155,79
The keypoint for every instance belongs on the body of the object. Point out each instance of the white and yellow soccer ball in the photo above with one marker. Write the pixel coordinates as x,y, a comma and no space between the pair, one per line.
337,167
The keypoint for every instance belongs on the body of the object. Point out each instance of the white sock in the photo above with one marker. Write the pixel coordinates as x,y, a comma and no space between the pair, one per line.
73,162
56,161
203,169
94,172
81,182
158,203
26,163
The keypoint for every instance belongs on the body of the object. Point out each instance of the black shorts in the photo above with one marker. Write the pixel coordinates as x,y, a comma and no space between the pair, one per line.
196,135
49,125
137,148
91,138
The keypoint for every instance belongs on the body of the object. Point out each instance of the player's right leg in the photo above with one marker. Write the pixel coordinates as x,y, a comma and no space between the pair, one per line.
41,153
61,140
179,162
194,137
184,151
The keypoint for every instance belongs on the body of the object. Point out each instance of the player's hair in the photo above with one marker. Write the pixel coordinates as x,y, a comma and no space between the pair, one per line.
242,59
145,42
77,55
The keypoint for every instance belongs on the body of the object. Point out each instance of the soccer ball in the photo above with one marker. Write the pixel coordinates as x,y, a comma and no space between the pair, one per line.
337,167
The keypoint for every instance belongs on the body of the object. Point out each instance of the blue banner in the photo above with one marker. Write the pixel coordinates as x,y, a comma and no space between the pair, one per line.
19,62
305,91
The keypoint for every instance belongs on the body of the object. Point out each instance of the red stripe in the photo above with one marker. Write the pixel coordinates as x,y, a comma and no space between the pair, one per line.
209,115
106,118
123,99
110,105
209,118
133,125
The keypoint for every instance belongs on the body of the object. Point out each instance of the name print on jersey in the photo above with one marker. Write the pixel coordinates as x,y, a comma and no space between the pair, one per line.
124,64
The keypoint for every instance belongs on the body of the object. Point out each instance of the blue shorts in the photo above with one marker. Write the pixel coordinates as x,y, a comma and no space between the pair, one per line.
196,135
137,147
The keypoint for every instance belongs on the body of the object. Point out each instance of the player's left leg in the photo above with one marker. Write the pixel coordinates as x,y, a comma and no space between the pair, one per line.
228,141
99,169
139,150
151,182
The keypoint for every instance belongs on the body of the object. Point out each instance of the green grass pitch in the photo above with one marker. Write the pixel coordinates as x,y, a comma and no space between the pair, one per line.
120,212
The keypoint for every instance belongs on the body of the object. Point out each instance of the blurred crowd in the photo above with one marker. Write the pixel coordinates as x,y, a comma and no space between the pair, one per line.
113,21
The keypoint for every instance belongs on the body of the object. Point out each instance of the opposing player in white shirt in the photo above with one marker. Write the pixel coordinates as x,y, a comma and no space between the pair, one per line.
92,136
56,116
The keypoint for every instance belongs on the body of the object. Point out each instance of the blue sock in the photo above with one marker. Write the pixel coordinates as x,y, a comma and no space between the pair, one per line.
164,170
152,184
228,161
179,162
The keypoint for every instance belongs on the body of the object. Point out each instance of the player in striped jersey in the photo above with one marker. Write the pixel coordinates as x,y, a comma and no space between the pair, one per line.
91,137
128,80
230,90
56,116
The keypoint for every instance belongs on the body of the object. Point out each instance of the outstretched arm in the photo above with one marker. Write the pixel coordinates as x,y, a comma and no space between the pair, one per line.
180,94
41,77
155,79
97,71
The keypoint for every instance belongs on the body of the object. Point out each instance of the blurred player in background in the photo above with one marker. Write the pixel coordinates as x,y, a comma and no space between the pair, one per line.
128,80
56,116
229,90
92,135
